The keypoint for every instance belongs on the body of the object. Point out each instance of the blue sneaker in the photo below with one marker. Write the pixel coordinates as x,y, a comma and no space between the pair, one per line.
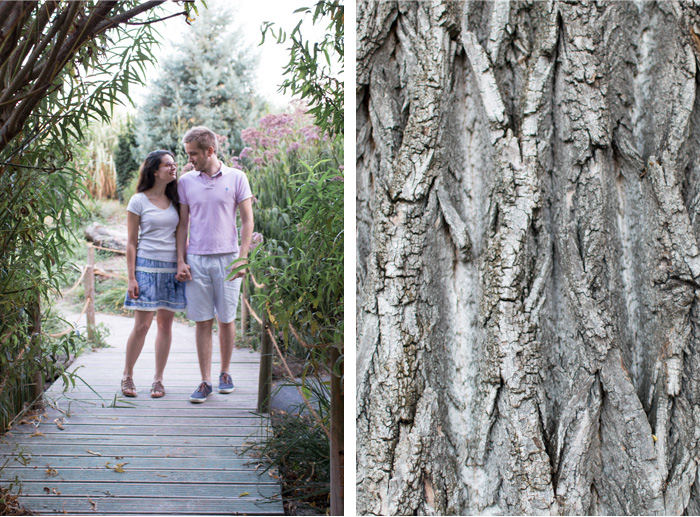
202,393
225,383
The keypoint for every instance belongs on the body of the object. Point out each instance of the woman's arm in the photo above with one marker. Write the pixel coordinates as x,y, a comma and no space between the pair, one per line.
132,229
183,270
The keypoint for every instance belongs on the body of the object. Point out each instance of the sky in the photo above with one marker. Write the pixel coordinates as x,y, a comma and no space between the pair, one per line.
249,16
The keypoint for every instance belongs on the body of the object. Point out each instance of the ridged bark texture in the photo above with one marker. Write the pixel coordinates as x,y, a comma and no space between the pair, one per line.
528,188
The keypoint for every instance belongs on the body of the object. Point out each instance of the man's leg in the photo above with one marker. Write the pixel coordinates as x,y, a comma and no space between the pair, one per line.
226,294
227,341
203,339
200,308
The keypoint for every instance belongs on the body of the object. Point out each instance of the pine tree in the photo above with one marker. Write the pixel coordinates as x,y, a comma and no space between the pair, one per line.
208,80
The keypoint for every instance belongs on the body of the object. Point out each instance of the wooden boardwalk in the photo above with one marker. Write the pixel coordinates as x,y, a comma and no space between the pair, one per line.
177,457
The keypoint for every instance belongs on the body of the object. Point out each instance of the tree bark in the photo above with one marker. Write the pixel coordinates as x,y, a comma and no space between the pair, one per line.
528,182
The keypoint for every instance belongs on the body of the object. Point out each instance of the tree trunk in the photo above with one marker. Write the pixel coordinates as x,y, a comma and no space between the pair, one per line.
528,182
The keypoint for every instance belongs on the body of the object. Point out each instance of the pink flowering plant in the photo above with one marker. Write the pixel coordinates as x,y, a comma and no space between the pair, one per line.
279,138
296,175
276,150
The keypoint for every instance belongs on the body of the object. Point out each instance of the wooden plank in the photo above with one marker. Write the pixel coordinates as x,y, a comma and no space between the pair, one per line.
146,463
221,491
132,475
90,440
148,506
182,393
119,428
202,411
144,451
113,365
214,401
176,385
175,418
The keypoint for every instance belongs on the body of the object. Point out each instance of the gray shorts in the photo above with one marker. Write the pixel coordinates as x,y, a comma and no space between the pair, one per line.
209,293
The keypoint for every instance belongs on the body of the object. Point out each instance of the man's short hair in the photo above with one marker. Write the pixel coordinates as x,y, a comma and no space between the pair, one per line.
203,137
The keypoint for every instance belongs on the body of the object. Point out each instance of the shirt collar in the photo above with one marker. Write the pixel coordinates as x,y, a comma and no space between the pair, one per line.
221,171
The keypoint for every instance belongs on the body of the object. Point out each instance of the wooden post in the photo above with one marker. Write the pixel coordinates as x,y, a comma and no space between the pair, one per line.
337,438
265,381
38,378
90,292
245,317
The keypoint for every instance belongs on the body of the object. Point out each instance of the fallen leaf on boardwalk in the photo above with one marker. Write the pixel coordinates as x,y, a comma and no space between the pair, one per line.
51,472
244,494
55,491
59,423
116,468
47,490
161,476
119,457
37,433
94,504
93,453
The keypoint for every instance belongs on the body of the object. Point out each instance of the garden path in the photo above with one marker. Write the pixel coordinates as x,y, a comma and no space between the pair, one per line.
177,457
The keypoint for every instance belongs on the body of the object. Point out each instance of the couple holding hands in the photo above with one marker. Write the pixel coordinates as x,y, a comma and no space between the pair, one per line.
162,264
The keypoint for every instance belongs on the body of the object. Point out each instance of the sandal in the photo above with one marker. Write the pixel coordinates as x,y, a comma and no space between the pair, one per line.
157,390
128,387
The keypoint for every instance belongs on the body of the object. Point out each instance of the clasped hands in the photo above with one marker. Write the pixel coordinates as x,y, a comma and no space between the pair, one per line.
184,274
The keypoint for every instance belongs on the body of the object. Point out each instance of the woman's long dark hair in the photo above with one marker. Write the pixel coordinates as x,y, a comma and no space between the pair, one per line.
147,179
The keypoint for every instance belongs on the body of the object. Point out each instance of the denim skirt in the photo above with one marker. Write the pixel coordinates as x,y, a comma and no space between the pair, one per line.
158,288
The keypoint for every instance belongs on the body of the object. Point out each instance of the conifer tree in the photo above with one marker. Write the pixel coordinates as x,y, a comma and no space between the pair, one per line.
208,80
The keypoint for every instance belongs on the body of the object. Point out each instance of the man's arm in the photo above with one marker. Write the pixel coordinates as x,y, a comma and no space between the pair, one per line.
246,211
183,270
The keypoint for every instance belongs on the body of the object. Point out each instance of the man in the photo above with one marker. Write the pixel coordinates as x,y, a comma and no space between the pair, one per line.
209,197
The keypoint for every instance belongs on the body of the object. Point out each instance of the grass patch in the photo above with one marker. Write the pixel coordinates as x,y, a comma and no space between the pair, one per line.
299,450
10,505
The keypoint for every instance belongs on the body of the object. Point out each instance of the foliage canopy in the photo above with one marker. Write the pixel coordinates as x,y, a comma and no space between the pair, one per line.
311,70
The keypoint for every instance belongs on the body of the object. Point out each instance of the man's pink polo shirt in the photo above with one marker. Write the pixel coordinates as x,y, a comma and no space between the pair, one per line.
213,203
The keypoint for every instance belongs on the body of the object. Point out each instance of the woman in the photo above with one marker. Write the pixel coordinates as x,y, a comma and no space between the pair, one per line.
152,217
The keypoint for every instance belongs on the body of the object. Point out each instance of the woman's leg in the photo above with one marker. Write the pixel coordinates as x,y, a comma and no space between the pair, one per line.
134,345
164,319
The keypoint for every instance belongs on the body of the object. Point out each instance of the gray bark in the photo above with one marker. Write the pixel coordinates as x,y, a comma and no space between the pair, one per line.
528,186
